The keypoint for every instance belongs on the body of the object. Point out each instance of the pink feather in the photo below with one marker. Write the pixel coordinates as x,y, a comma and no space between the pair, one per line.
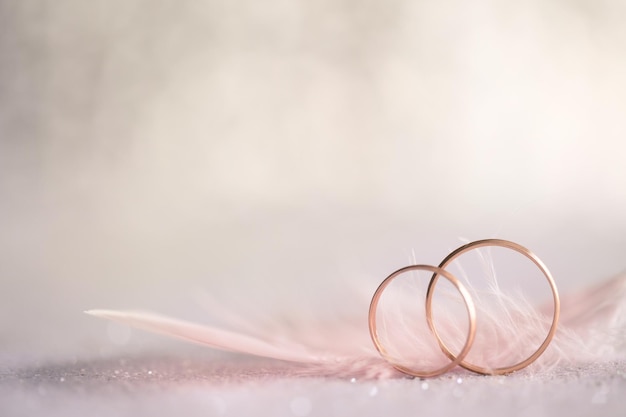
593,328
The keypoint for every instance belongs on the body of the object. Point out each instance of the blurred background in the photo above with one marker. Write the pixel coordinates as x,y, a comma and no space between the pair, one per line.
269,153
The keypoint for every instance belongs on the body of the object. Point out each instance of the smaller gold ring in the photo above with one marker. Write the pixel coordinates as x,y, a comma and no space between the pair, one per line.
555,295
469,305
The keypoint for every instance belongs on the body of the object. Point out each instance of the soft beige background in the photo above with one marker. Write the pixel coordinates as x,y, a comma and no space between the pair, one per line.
281,148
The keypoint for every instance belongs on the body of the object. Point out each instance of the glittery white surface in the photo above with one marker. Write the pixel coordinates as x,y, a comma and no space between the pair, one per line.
162,386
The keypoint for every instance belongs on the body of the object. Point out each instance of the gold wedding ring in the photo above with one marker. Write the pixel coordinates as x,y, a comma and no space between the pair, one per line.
469,305
555,318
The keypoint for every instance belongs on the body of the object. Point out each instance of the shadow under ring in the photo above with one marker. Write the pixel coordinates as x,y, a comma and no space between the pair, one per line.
555,295
469,305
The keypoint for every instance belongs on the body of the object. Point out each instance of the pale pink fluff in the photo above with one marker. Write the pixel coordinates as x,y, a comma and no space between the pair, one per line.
592,328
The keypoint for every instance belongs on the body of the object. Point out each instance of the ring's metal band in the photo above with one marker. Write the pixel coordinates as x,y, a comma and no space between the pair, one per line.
518,248
469,304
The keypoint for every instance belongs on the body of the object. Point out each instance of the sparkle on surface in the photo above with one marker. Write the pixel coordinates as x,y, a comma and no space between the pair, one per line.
159,386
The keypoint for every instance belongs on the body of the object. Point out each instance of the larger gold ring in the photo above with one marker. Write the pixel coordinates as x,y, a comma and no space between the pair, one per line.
542,268
469,304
